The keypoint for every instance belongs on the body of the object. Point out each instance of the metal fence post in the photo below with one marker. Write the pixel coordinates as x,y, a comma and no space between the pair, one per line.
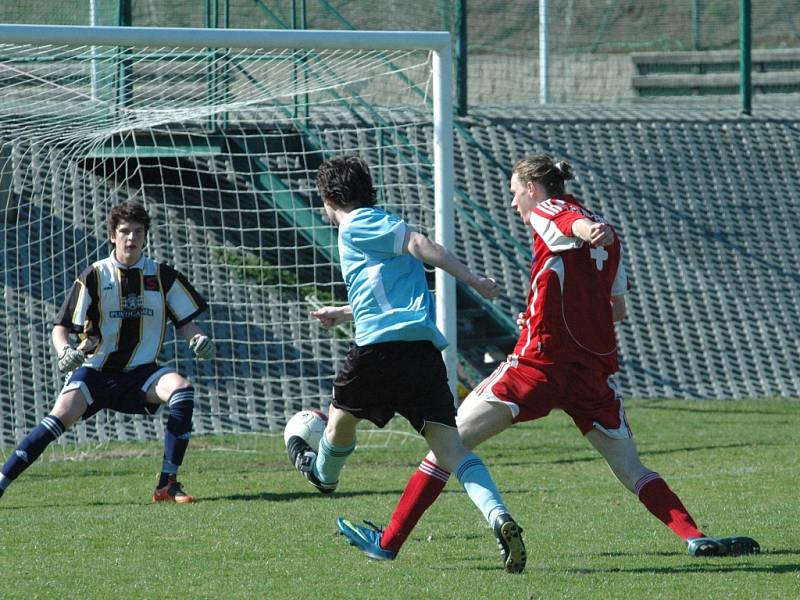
544,52
745,83
461,57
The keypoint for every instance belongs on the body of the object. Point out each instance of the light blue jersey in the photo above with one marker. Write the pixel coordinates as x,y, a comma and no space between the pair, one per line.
386,287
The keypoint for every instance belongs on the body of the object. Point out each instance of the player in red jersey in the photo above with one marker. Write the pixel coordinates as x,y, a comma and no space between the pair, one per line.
566,355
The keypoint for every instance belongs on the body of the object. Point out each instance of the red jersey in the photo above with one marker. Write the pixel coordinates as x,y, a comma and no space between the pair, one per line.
569,317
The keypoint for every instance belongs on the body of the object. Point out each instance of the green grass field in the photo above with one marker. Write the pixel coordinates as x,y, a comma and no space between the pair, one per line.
84,528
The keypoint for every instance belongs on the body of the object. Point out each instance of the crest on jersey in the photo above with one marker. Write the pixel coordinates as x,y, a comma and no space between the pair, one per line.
132,308
151,283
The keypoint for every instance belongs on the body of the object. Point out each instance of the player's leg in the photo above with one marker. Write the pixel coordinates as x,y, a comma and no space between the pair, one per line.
354,393
597,407
68,408
177,392
322,467
424,487
478,420
479,417
337,444
623,459
420,492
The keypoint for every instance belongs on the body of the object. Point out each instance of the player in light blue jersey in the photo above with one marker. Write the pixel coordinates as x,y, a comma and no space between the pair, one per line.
395,365
386,285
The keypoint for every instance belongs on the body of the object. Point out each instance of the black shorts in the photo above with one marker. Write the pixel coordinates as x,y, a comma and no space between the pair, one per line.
124,392
407,378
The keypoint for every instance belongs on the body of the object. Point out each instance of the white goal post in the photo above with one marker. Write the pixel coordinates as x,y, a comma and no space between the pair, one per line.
217,132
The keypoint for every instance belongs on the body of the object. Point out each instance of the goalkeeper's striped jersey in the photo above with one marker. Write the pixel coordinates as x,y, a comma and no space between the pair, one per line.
120,313
569,317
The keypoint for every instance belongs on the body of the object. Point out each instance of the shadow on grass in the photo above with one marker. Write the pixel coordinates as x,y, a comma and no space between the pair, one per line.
791,409
705,567
289,496
717,564
594,456
128,504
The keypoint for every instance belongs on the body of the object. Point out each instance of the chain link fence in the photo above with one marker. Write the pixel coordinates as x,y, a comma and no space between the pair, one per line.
595,46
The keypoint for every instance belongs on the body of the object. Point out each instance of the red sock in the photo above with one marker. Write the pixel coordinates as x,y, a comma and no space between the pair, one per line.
665,505
421,491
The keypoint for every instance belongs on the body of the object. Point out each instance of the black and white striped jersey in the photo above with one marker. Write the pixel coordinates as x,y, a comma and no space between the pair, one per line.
120,313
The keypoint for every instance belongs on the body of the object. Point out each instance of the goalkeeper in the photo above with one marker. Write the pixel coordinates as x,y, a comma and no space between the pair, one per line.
119,307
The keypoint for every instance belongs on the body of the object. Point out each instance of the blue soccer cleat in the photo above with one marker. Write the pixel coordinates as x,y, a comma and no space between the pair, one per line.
368,540
726,546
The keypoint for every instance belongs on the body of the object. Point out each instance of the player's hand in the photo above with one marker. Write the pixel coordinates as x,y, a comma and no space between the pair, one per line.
331,316
70,359
202,346
601,234
486,287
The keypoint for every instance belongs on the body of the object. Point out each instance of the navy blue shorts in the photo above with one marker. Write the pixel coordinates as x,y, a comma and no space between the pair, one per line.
121,391
407,378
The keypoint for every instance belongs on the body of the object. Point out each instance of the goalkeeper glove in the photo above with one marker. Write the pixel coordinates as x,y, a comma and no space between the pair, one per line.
70,359
202,346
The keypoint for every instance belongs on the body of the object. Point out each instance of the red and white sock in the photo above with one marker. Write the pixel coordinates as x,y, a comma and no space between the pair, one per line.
421,491
665,505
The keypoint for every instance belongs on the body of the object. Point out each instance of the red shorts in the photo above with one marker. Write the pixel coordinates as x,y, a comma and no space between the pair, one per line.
590,397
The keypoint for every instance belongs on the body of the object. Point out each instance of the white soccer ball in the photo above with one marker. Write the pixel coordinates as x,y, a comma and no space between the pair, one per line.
309,424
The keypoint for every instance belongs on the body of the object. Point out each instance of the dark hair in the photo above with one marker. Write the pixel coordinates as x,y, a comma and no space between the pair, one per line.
131,212
542,168
345,182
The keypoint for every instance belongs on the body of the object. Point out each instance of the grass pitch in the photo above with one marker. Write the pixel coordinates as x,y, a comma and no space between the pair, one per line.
85,528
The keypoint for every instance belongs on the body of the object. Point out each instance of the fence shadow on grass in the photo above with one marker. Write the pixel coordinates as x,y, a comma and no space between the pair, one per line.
591,456
789,409
711,566
299,495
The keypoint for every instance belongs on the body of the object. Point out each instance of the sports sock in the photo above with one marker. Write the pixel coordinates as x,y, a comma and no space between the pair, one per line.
31,447
179,430
331,460
665,505
480,487
421,491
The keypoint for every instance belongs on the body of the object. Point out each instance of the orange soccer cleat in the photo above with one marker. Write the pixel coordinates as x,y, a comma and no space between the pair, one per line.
172,492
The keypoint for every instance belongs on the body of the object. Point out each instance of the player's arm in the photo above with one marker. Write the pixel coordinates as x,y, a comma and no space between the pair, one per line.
619,288
69,358
71,315
597,234
331,316
60,337
199,342
436,255
618,311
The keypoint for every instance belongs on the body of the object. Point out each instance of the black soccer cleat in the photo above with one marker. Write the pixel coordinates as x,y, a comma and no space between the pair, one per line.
303,457
509,540
725,546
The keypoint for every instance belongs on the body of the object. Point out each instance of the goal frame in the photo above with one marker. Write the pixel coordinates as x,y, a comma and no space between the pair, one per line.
437,42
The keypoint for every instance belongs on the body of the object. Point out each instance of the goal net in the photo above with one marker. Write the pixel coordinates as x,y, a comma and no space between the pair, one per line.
219,134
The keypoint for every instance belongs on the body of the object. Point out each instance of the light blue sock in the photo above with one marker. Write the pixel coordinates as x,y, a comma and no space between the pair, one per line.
480,487
330,460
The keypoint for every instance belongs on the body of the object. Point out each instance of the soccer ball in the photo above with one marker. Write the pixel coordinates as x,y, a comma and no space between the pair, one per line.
309,424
